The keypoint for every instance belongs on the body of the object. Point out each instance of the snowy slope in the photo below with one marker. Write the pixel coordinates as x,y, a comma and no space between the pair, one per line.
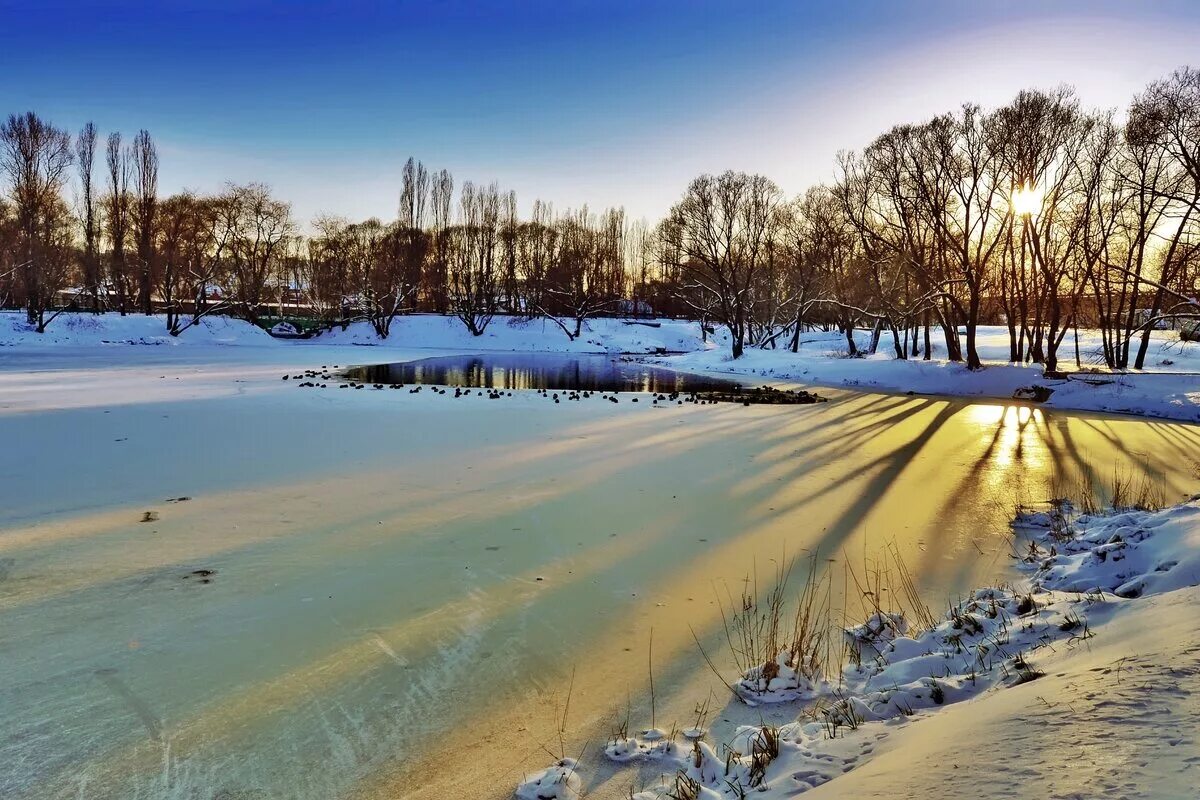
1169,388
80,329
538,335
1113,717
1084,682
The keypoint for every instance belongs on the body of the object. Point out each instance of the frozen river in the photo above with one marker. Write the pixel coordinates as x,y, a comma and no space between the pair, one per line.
377,594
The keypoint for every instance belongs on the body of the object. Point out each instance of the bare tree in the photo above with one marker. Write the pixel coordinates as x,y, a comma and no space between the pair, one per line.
719,231
144,156
117,217
10,253
259,228
1166,119
473,274
396,281
364,269
85,157
586,275
813,235
441,197
34,156
208,271
1040,138
414,194
837,241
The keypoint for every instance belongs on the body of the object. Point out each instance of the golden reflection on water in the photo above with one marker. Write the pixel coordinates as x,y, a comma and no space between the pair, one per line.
1016,434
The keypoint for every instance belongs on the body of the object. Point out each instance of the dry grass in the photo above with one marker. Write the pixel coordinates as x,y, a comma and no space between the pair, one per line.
886,586
764,748
1140,494
758,627
836,715
684,789
1127,489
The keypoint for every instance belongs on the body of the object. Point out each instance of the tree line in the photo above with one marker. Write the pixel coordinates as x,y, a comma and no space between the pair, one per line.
1039,215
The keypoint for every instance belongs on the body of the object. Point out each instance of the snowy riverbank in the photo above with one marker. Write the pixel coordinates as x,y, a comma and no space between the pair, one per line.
419,331
1094,660
1163,391
1169,388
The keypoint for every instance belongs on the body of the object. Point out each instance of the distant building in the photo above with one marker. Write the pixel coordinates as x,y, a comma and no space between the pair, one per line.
634,308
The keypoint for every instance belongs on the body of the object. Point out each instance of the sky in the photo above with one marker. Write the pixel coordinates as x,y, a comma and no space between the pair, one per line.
573,102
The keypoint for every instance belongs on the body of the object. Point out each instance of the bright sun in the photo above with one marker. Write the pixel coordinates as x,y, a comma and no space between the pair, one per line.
1027,200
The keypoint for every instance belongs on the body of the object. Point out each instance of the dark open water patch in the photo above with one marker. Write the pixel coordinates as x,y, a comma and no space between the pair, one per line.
537,371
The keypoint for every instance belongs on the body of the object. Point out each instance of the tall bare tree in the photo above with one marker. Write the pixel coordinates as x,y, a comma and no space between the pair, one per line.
1166,118
441,198
34,156
474,280
144,156
85,158
719,232
117,217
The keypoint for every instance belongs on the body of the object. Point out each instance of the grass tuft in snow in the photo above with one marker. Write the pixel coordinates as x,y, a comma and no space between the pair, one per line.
779,652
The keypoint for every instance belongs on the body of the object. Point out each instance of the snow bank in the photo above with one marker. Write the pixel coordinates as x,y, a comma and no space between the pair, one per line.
84,329
605,335
1087,573
1129,553
417,331
1169,388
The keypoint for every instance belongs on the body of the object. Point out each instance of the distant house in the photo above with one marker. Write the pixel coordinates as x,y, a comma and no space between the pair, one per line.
1147,316
634,308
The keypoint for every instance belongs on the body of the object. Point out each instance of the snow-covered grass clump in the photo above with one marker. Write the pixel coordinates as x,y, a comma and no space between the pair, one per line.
558,782
651,745
1128,553
775,681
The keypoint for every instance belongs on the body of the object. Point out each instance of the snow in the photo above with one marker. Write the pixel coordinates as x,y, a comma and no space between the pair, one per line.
1128,553
538,335
1096,653
1113,717
92,330
1169,388
774,682
558,782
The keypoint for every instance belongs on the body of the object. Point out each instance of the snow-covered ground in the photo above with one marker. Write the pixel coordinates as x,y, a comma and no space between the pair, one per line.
1083,680
1109,715
1169,388
107,330
420,331
537,336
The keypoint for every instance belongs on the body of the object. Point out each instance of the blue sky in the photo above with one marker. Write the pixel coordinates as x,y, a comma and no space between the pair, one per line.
617,103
